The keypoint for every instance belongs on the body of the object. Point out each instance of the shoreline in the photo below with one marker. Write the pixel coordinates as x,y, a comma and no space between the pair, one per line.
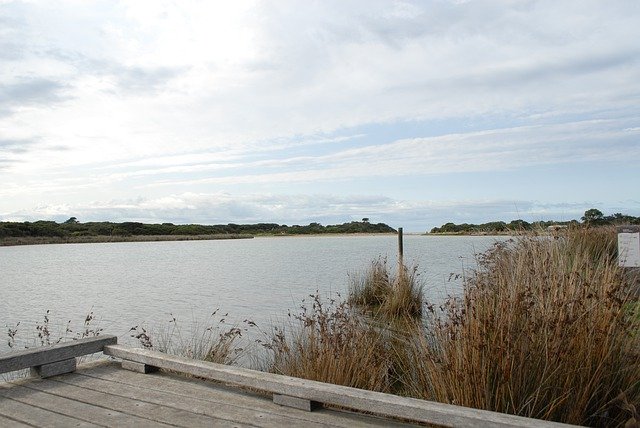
104,239
315,235
509,233
100,239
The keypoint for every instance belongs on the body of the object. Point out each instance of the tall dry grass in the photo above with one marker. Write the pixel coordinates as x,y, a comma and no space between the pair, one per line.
329,342
543,330
213,341
50,332
385,294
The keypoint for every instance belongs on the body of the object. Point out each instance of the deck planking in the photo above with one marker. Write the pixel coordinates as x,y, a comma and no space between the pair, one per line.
105,395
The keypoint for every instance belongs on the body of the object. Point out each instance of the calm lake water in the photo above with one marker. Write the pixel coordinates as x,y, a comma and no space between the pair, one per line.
149,283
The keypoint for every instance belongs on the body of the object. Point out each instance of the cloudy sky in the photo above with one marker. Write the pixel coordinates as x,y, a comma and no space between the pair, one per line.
409,113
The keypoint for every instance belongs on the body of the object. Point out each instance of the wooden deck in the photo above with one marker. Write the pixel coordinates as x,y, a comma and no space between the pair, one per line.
148,388
106,395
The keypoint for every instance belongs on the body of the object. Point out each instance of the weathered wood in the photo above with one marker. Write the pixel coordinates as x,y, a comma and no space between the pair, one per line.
27,358
132,406
138,367
296,403
362,400
21,405
226,411
218,396
6,422
54,369
400,248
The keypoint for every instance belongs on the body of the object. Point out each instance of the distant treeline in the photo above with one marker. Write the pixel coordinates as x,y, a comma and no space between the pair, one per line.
73,228
592,217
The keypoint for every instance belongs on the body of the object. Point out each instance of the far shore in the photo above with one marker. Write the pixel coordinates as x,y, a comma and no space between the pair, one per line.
494,233
40,240
43,240
315,235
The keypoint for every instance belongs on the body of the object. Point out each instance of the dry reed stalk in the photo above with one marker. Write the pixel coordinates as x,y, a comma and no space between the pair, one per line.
543,330
213,341
330,343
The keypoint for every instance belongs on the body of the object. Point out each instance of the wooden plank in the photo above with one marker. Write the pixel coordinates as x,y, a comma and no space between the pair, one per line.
358,399
218,393
228,410
6,422
29,411
24,359
132,406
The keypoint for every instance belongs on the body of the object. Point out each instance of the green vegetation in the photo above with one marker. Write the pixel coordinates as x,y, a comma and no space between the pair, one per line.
74,231
592,217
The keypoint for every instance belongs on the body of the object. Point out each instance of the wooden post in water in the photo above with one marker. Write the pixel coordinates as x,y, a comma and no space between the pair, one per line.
400,250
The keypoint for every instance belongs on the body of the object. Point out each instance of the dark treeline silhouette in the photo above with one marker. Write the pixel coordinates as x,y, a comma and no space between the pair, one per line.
592,217
73,228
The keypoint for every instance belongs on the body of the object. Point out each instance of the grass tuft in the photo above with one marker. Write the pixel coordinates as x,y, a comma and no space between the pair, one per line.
387,295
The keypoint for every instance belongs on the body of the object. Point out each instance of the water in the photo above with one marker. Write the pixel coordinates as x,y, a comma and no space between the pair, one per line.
149,283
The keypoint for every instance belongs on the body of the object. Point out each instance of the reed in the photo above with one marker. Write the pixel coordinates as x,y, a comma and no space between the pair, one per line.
542,330
50,331
329,342
213,340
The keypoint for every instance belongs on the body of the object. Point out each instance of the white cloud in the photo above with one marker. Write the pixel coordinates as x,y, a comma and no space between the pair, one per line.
149,97
493,150
230,74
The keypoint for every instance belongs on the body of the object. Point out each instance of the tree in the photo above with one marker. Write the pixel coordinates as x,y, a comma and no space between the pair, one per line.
72,220
592,215
365,220
519,225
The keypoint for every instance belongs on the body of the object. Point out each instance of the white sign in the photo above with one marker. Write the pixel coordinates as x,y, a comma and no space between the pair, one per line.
629,249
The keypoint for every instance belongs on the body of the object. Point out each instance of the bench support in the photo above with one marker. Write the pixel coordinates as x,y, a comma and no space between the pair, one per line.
54,369
296,403
138,367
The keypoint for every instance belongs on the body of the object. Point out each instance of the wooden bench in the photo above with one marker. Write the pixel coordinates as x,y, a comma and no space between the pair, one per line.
285,390
308,394
56,359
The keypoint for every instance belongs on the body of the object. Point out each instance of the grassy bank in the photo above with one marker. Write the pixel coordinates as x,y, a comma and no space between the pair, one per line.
72,230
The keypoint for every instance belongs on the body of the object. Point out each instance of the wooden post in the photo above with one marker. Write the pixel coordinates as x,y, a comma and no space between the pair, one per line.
400,250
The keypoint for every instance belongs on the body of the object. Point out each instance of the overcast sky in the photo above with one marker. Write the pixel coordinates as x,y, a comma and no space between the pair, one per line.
409,113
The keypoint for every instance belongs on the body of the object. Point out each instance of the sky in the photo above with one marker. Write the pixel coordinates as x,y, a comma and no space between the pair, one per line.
409,113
